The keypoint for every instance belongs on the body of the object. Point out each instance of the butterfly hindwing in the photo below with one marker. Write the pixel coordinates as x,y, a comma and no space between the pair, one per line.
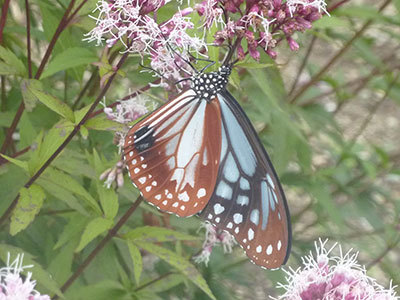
173,154
248,200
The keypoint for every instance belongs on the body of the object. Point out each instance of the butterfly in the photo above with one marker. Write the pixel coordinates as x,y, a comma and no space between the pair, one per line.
199,154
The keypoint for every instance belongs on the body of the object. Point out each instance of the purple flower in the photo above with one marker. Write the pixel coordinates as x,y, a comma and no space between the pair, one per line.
261,23
15,287
114,174
328,277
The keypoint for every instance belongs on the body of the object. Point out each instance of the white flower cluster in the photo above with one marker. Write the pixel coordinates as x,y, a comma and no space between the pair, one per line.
15,287
328,277
319,4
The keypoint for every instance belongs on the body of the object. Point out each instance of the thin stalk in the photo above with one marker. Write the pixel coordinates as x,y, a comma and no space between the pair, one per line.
111,233
383,254
61,26
76,129
153,281
372,112
85,88
28,37
338,55
4,13
335,6
303,64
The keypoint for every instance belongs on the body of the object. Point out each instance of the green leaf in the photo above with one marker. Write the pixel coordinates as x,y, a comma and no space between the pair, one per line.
69,58
30,99
154,234
73,229
108,200
70,184
179,263
11,65
330,22
29,203
137,261
17,162
167,283
79,114
95,227
42,277
253,65
53,103
45,147
101,122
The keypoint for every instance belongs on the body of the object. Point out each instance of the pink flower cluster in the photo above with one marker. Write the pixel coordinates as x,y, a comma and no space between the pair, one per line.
328,277
13,286
213,238
260,23
134,24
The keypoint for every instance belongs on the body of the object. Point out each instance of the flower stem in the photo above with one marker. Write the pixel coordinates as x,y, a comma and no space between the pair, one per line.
338,55
111,233
4,13
303,64
67,140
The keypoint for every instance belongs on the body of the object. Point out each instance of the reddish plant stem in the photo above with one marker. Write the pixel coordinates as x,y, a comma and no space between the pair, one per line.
61,26
303,64
66,141
28,37
338,55
335,6
111,233
4,13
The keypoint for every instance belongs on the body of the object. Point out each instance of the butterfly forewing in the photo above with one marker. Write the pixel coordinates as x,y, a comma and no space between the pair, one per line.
248,200
173,154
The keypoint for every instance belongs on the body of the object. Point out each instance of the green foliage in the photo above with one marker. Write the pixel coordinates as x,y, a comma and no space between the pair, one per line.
29,204
335,147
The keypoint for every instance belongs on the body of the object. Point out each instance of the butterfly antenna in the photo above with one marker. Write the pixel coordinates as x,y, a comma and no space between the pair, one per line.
179,55
231,51
155,71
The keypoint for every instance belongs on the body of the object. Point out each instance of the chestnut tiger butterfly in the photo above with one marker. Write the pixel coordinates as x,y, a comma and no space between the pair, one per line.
199,154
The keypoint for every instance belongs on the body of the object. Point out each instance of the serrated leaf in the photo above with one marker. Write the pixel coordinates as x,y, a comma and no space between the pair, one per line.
137,261
69,58
39,273
12,65
70,184
22,164
108,200
30,99
154,234
101,122
53,103
29,203
95,227
179,263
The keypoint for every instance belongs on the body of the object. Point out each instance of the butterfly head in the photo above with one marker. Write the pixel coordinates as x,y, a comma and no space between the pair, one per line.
207,85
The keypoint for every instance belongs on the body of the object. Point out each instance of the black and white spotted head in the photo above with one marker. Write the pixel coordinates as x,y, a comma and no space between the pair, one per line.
207,85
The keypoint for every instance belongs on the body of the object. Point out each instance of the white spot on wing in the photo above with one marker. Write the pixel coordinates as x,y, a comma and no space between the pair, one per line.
237,218
269,250
250,234
218,209
201,193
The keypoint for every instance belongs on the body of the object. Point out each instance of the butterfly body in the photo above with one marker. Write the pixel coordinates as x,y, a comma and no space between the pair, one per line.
199,154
